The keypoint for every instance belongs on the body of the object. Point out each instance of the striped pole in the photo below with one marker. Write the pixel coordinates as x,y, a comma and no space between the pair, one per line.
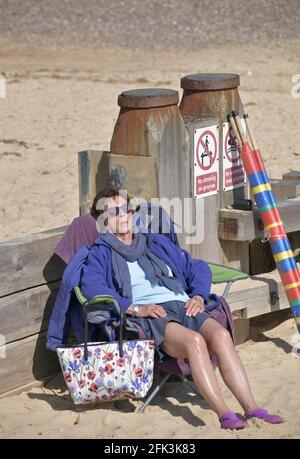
270,216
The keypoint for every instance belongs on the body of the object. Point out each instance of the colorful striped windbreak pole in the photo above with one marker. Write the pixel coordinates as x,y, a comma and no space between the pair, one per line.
269,214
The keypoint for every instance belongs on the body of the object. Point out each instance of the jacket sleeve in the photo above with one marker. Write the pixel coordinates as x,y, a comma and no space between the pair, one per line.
197,274
93,281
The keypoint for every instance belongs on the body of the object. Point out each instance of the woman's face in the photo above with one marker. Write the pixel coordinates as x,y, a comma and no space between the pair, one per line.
118,219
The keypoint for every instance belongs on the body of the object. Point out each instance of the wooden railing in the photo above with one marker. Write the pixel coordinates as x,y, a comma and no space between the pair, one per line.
29,279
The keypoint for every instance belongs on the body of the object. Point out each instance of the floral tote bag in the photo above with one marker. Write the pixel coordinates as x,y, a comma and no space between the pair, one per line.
104,371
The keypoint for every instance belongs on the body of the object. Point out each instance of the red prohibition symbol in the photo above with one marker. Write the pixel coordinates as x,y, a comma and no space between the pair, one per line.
206,149
232,149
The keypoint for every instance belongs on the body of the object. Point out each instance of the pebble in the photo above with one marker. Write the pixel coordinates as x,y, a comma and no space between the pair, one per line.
155,25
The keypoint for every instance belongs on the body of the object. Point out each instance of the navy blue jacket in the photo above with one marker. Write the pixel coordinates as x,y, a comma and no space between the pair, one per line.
98,278
67,311
91,268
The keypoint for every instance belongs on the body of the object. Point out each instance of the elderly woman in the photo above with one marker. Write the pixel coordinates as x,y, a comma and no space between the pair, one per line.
167,292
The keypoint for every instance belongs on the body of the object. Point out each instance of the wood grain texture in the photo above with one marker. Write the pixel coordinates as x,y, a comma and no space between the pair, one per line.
93,175
27,360
27,312
29,261
249,225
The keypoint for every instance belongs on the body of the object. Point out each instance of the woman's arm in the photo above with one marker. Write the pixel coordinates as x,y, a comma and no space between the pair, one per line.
196,272
198,278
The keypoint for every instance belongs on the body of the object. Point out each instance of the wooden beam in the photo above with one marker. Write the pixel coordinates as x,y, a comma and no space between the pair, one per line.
236,255
136,174
99,169
23,388
27,312
26,360
241,225
93,175
29,261
292,175
241,330
255,296
285,189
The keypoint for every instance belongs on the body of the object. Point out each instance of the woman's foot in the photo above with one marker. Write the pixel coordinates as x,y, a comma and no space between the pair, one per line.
231,421
260,413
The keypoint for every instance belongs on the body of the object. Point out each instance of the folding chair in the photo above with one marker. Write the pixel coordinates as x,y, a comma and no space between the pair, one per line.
162,223
220,274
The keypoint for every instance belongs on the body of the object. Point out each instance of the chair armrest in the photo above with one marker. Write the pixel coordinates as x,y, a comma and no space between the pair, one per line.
221,273
97,300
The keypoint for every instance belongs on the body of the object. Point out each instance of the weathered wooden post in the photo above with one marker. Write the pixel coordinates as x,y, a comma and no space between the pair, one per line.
150,125
149,149
216,176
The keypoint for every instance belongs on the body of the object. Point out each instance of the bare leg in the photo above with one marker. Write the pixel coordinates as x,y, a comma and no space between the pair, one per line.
180,342
220,344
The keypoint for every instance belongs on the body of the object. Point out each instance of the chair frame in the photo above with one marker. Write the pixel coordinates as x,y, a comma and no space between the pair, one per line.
229,280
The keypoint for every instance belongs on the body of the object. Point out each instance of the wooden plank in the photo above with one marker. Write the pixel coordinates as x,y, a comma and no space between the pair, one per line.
263,308
29,261
236,254
292,175
93,175
23,388
209,248
122,170
285,189
242,225
27,312
252,297
170,147
157,132
244,290
241,330
100,169
289,210
239,225
27,360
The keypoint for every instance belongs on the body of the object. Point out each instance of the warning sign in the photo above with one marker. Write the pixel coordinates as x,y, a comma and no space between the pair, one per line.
233,171
206,161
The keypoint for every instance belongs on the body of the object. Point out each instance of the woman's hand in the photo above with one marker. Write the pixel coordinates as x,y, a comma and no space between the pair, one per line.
194,306
151,310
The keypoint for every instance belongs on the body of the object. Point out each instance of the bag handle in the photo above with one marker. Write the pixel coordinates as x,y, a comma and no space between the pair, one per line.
103,299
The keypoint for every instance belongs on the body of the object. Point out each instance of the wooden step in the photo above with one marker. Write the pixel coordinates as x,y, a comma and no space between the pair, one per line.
255,296
293,175
242,225
285,189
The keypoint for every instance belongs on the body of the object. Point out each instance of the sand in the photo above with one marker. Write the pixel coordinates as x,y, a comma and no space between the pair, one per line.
63,78
60,101
272,367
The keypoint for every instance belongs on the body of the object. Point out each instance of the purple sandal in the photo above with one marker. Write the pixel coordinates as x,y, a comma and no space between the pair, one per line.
230,421
260,413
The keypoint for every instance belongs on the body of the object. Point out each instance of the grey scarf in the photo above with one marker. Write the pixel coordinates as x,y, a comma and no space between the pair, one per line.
156,271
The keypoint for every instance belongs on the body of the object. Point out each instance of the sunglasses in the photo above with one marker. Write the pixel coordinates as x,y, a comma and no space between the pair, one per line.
115,211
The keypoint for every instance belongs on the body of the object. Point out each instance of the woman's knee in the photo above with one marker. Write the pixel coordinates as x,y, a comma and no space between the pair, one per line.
220,337
195,343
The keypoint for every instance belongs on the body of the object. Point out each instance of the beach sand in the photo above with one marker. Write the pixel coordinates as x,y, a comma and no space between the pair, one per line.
176,412
61,101
61,98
